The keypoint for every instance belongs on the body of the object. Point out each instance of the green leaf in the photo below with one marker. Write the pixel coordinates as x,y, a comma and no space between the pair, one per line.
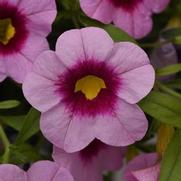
163,107
15,122
171,69
23,153
116,33
30,126
9,104
171,163
175,84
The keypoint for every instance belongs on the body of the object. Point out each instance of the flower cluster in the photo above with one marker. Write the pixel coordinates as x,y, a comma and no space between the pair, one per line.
86,90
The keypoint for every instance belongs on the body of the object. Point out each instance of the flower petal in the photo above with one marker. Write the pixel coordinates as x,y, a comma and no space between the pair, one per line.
66,131
17,66
127,56
47,170
142,23
32,7
42,170
86,44
137,23
140,164
63,175
34,45
41,23
78,168
10,172
40,92
101,10
2,70
40,85
111,158
125,126
156,5
136,84
149,174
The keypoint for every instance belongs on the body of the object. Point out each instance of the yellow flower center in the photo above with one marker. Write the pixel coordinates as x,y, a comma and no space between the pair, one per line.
90,86
7,31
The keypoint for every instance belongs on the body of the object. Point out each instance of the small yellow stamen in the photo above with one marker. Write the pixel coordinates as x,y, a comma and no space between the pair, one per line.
90,86
7,31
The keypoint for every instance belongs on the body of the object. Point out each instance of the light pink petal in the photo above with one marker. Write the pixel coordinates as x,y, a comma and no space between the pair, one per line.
127,56
40,92
123,127
136,84
62,175
49,171
12,2
142,23
40,85
18,66
156,5
40,15
34,45
42,170
41,23
137,23
85,44
140,163
79,169
149,174
101,10
2,69
124,21
66,131
80,133
49,66
134,70
11,172
32,7
111,158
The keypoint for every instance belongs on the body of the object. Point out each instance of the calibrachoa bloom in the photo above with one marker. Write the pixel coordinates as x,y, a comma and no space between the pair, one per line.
42,170
91,162
133,16
24,26
145,167
88,88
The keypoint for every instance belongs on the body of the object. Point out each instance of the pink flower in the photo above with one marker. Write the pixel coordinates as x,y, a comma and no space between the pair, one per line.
42,170
24,26
133,16
88,88
90,163
145,167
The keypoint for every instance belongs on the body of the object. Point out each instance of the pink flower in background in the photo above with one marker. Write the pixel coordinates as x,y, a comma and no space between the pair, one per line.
88,88
133,16
90,163
42,170
145,167
24,26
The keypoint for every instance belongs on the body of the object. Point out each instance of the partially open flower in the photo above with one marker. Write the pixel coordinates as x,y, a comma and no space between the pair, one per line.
42,170
145,167
133,16
91,162
24,26
88,88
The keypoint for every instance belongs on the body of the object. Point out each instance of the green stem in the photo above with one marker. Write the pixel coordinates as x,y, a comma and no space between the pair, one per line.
6,144
75,22
168,90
